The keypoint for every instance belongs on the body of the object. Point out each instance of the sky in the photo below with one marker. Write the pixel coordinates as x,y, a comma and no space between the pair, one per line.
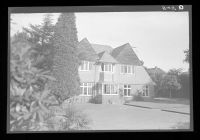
158,38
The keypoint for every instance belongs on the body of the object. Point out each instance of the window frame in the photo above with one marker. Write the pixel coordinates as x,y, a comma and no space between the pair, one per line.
112,89
87,86
87,66
107,67
126,68
127,87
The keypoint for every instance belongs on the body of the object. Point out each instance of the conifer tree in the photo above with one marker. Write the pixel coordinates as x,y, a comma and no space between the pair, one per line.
66,62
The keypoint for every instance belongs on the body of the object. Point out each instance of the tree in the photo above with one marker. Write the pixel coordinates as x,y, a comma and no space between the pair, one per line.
42,37
33,106
29,95
186,56
66,62
158,79
185,84
171,83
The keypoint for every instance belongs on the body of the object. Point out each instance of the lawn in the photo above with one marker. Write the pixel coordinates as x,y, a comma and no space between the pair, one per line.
123,117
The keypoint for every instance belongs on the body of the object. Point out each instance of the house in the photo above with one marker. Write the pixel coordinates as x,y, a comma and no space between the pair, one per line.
115,75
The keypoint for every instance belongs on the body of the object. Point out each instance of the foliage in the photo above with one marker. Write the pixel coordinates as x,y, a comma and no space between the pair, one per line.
67,117
96,99
31,98
185,85
137,96
158,79
65,60
42,36
170,82
29,95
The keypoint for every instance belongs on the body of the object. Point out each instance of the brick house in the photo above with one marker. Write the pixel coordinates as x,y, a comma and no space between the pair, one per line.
114,75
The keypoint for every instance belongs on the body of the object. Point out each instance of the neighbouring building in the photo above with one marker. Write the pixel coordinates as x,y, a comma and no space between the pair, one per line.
114,75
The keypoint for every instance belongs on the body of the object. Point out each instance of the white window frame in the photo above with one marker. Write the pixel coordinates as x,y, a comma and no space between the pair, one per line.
88,85
122,69
86,66
104,68
145,92
110,85
127,88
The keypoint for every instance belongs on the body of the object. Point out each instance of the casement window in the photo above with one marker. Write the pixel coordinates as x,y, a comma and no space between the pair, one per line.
86,66
86,89
127,69
110,89
106,67
127,90
145,91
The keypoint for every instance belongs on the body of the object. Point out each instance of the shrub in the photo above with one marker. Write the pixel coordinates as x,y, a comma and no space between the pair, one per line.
138,96
67,117
96,100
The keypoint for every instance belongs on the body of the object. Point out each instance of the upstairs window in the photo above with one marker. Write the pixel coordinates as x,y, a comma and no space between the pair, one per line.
106,67
86,66
127,69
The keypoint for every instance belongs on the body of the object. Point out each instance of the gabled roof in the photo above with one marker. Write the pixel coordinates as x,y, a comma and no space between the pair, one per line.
85,51
100,48
125,55
106,57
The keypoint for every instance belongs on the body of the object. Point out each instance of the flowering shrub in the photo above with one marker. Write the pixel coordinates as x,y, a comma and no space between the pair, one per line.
31,100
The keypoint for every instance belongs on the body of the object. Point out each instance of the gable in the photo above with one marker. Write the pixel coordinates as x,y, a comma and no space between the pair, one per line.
125,55
85,51
106,57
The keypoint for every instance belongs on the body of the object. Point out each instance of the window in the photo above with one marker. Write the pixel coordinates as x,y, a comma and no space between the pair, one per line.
86,88
85,66
126,69
107,67
127,90
109,89
145,91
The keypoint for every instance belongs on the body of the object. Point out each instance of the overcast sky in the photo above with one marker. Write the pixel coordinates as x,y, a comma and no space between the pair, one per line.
159,37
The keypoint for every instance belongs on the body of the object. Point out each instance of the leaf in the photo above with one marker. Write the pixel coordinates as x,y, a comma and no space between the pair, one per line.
27,116
47,77
39,112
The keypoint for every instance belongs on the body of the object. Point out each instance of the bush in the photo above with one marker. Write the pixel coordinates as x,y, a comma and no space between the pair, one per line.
138,96
96,100
67,117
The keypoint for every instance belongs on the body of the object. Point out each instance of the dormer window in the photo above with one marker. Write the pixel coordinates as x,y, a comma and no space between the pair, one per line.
86,66
106,67
126,69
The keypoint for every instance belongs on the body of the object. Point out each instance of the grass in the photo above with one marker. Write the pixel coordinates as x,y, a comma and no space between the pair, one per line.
122,117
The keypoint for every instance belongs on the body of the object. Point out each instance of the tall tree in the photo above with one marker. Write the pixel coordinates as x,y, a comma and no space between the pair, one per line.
42,36
66,62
